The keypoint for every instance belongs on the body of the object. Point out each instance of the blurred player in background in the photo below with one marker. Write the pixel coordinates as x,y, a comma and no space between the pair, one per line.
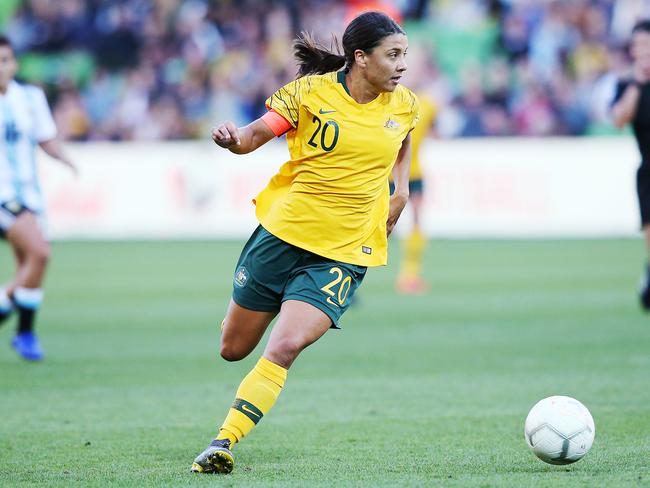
410,279
632,105
324,217
25,121
420,78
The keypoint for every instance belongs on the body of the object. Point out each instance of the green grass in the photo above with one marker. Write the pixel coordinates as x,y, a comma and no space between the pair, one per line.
414,391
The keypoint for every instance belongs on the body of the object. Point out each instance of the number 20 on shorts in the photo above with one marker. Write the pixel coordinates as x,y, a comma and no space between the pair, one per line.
343,283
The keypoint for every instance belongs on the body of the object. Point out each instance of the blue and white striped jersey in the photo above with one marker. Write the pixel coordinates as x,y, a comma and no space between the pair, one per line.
25,121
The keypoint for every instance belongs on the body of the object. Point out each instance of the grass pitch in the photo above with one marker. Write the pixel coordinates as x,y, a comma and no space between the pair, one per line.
414,391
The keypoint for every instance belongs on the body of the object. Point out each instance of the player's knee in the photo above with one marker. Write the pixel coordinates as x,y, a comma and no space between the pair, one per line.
230,352
285,350
40,255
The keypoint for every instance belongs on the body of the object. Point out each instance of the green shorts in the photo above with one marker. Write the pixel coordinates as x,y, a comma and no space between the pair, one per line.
270,271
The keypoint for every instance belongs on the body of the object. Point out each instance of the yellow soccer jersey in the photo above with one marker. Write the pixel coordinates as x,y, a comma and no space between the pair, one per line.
332,197
419,134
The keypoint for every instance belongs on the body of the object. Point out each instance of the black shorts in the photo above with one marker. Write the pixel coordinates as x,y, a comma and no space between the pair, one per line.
9,212
643,192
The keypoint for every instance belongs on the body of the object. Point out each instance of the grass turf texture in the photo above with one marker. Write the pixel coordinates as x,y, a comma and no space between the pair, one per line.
415,391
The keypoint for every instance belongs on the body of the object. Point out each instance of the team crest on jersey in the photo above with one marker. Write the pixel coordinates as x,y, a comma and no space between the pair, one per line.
241,277
391,124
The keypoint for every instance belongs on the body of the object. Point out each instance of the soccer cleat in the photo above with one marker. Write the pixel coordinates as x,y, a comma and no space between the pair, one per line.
644,289
216,458
27,345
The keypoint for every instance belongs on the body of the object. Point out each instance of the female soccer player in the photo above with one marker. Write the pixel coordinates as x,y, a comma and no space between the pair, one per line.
25,120
324,218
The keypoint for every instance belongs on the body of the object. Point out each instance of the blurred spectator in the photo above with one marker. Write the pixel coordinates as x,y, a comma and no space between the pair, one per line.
157,69
71,117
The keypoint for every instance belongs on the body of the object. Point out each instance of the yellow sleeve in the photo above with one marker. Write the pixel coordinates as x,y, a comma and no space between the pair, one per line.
286,101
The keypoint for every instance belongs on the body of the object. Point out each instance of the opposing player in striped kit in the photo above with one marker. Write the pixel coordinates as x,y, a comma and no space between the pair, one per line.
25,122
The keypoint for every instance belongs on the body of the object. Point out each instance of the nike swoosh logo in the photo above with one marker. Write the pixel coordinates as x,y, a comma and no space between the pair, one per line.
246,409
323,112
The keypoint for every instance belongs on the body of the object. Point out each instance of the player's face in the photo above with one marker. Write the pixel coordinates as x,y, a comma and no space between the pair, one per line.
8,66
386,64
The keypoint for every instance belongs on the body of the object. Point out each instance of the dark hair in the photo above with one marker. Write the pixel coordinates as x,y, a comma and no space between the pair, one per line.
4,41
365,32
641,26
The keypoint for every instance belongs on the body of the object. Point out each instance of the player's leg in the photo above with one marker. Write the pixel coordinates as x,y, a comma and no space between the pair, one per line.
410,278
644,287
31,249
6,305
314,300
8,214
241,331
19,260
643,194
32,253
315,297
299,325
6,291
260,277
258,281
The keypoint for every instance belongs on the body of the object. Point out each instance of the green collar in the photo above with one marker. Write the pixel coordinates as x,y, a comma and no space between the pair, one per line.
340,77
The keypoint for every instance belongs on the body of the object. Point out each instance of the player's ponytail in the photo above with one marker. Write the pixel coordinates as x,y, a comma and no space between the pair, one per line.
313,58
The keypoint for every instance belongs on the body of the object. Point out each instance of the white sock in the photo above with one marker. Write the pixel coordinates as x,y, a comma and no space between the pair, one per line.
5,302
30,298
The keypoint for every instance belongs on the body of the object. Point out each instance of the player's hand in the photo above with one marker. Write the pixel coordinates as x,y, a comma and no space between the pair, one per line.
397,204
226,135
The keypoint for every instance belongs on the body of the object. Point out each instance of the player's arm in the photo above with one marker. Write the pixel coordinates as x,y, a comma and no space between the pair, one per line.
245,139
45,129
401,171
54,149
624,110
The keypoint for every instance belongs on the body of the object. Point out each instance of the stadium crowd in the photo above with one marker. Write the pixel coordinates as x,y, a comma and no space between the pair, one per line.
167,69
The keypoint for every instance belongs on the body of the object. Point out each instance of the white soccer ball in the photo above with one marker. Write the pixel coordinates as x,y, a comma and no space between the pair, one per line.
559,430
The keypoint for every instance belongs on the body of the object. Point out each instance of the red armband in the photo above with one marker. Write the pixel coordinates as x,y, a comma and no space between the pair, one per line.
276,122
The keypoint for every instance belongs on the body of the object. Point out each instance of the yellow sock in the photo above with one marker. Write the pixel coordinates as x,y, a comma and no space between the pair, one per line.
413,251
255,397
